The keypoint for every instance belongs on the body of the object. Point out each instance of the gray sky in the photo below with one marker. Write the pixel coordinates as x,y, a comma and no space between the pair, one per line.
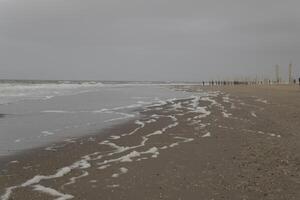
147,39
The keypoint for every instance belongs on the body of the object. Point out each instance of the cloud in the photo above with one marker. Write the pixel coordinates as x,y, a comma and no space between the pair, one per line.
153,40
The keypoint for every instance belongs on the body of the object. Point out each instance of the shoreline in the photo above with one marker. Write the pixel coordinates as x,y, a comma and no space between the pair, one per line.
100,134
232,144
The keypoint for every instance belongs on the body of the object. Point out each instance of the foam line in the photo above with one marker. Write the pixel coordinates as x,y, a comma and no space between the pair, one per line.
114,137
206,135
128,157
183,140
52,192
104,166
132,153
262,101
125,116
137,122
82,164
73,179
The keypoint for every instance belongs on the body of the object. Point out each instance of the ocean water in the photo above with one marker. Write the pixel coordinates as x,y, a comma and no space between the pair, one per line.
38,113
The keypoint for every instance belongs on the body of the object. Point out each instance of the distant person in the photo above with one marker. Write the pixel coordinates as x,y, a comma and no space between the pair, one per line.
295,81
203,83
299,81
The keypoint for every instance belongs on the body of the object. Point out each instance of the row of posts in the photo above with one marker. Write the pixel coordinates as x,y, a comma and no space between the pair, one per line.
266,82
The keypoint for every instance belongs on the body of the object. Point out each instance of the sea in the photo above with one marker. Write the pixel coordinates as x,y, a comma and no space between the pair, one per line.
38,113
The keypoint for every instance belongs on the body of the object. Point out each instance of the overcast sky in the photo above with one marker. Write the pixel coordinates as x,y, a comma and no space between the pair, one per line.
147,39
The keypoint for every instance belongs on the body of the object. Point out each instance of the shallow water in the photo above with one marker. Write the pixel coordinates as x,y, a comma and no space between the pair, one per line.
46,113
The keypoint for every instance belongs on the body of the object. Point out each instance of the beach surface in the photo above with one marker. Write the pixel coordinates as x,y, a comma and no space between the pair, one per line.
231,142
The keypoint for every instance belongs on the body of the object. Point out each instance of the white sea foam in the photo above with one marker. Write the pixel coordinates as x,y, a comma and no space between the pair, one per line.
14,92
212,101
195,101
153,150
127,107
104,167
262,101
253,114
81,164
130,156
46,133
226,115
207,134
137,122
8,192
73,179
177,106
150,121
122,170
182,140
113,186
198,109
114,137
116,175
52,192
135,154
124,116
226,99
174,144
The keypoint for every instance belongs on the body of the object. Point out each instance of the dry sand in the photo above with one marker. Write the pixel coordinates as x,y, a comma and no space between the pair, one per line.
232,143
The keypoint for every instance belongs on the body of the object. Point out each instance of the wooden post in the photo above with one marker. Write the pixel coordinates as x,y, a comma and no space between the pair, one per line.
277,74
290,74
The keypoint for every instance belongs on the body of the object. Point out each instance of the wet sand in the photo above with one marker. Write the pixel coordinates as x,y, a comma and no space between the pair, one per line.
227,143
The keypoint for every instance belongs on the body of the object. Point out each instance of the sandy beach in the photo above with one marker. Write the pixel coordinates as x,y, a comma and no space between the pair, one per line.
231,142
